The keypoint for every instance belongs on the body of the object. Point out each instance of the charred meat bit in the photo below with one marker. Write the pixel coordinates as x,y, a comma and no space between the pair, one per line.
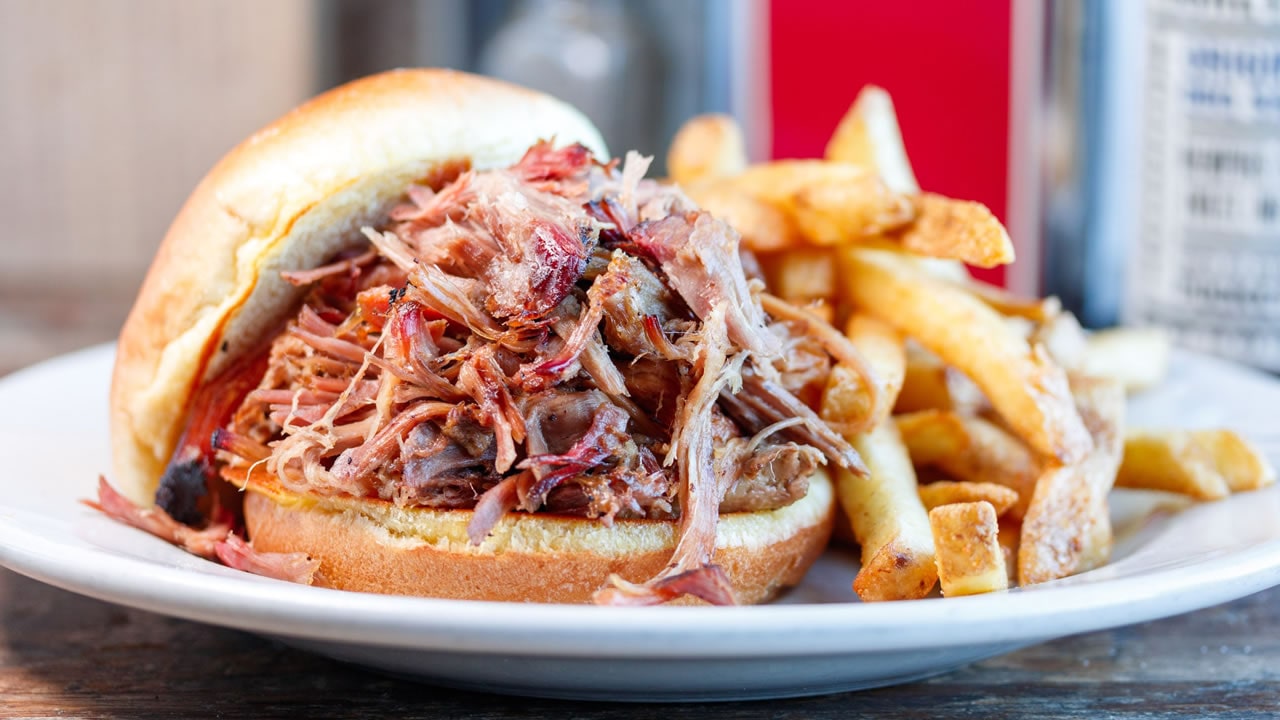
183,486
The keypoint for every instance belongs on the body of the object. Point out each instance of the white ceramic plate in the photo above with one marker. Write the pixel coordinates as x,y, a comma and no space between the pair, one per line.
53,442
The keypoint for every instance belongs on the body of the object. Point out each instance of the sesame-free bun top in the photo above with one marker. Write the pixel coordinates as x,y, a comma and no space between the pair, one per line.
290,197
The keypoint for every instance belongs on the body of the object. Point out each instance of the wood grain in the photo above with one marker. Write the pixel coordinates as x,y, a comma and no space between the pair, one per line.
68,656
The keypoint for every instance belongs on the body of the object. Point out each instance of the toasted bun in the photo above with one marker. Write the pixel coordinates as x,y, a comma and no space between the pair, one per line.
290,197
374,546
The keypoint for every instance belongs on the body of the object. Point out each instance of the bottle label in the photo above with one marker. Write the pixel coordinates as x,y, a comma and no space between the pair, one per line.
1207,261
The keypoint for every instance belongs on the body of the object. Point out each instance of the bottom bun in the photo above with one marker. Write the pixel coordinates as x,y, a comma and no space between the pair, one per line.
374,546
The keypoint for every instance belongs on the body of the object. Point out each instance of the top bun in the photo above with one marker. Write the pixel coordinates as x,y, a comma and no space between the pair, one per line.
290,197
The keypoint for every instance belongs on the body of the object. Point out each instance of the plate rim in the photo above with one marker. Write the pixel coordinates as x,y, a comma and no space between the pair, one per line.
277,608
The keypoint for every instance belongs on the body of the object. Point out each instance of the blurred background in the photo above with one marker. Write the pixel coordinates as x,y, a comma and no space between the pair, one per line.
1132,148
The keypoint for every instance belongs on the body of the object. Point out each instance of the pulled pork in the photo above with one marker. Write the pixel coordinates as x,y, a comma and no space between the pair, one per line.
559,336
215,540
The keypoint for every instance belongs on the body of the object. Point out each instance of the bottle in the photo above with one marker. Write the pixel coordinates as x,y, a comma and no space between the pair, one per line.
1206,263
1168,213
594,55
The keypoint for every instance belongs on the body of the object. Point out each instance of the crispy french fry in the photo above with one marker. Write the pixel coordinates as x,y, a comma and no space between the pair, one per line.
1071,499
868,135
948,492
707,146
970,448
829,203
957,229
1202,464
929,384
1021,327
763,227
847,400
1010,535
888,520
944,268
801,275
924,385
1172,461
1063,338
1242,465
1137,357
1097,543
970,559
1006,303
1023,384
932,435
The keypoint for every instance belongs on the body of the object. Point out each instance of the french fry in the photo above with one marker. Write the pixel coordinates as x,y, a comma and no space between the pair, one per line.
1137,357
1023,384
970,559
1008,304
888,520
707,146
1242,465
943,268
929,384
1097,543
868,135
1071,499
1021,327
971,449
828,203
1202,464
1172,461
932,435
924,385
957,229
847,400
948,492
834,204
1063,338
1010,536
801,275
763,227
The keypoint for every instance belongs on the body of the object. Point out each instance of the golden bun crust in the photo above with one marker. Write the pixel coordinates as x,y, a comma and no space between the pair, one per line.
374,546
290,197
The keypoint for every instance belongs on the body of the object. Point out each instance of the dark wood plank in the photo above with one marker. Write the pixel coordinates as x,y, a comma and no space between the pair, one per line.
69,656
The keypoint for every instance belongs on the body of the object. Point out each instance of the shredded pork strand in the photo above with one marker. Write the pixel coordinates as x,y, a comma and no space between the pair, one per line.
307,277
290,567
496,502
700,493
841,349
156,521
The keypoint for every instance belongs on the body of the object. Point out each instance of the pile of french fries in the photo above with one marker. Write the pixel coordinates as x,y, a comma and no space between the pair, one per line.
993,426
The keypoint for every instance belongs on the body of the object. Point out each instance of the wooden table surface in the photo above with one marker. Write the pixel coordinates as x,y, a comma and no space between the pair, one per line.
62,655
65,655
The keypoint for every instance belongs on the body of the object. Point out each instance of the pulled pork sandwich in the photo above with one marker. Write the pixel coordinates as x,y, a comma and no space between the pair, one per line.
443,347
